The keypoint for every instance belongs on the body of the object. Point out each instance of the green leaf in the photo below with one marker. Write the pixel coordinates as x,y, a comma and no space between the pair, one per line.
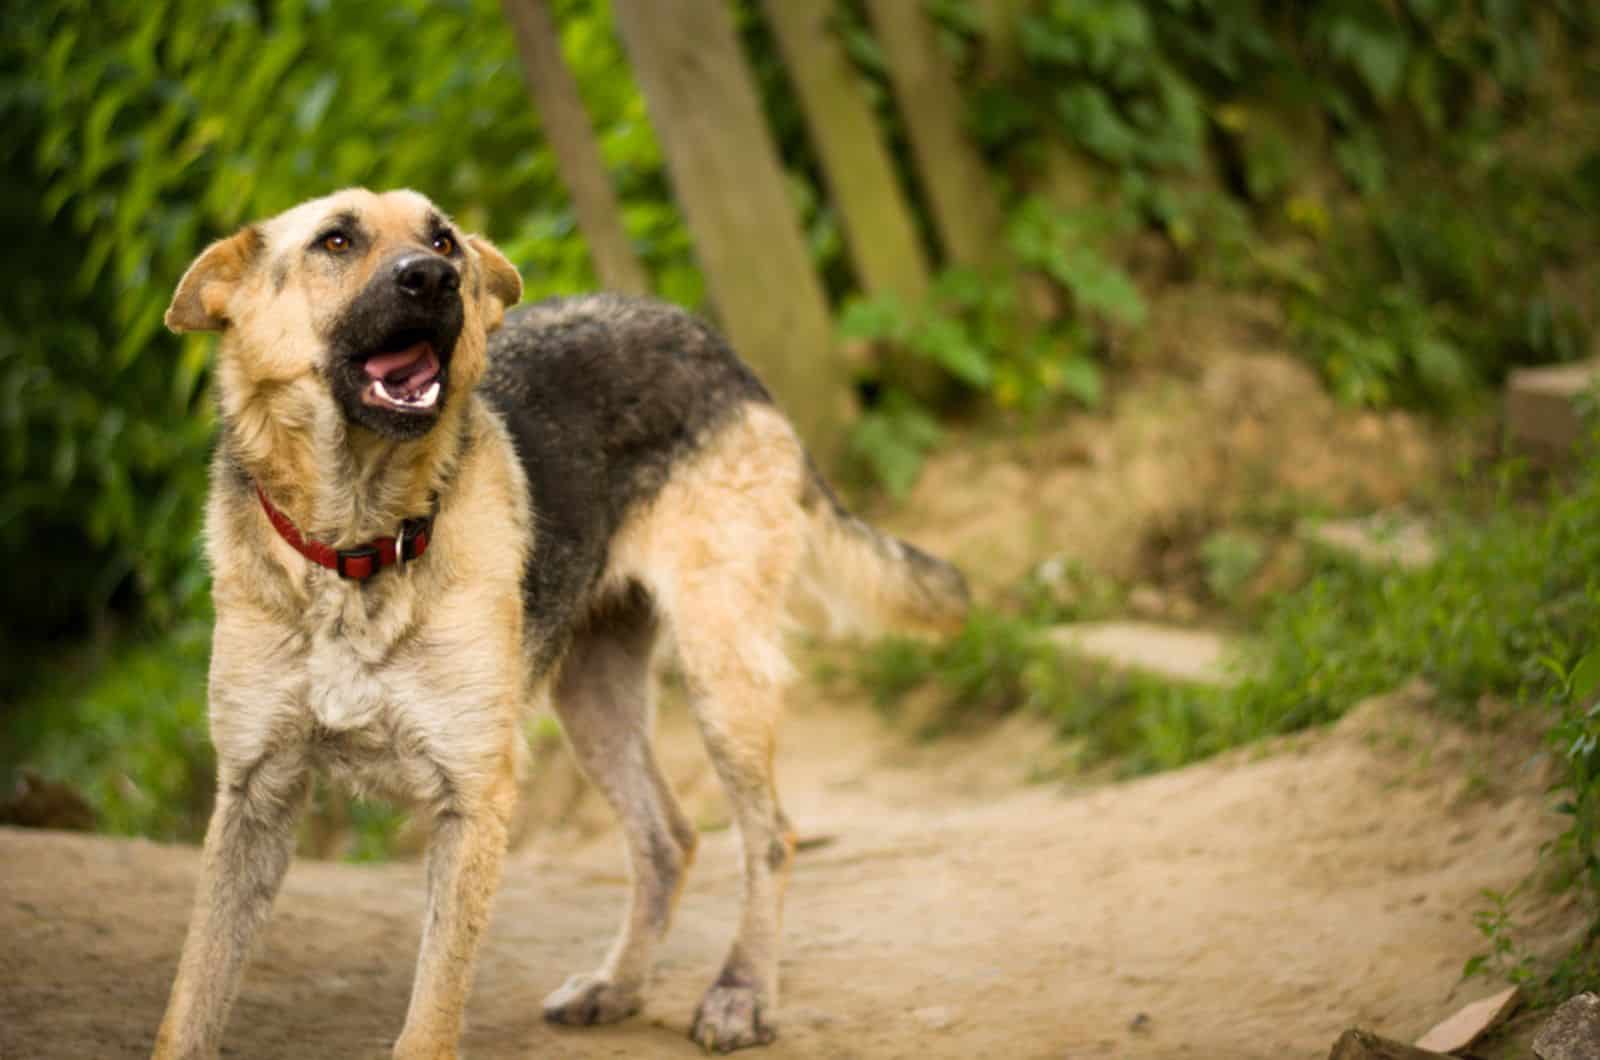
1081,378
881,317
1585,678
1098,285
946,342
892,441
1092,120
1440,365
314,102
961,286
1378,53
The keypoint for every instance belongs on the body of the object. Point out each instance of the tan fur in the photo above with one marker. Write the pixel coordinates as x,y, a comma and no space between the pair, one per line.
412,684
856,579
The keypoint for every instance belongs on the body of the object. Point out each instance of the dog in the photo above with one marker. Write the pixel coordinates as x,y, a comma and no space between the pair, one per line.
428,511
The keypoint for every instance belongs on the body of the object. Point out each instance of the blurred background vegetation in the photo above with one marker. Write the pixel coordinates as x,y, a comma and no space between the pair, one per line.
1414,183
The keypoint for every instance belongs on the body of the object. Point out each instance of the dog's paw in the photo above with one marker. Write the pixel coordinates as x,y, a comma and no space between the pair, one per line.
732,1017
587,999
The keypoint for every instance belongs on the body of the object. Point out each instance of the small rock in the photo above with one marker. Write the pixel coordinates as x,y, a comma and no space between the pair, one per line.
39,802
1572,1033
1185,655
1140,1022
934,1017
1356,1044
1381,540
1470,1022
1542,407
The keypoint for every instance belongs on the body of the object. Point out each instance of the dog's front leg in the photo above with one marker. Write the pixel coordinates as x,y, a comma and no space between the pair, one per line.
464,856
247,849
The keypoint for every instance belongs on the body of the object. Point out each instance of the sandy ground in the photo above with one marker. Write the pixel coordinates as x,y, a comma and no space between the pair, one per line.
1252,906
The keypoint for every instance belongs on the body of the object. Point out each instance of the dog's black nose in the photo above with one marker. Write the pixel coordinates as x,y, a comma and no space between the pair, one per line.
426,276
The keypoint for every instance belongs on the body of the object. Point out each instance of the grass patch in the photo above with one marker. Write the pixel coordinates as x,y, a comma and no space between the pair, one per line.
128,732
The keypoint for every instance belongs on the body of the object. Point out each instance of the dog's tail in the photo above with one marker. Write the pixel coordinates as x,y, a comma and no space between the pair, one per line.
863,579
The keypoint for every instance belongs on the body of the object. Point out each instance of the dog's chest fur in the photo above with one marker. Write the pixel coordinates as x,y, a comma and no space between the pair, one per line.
352,645
362,696
347,680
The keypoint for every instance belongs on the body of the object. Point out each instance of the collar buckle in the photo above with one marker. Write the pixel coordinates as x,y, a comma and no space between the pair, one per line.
412,539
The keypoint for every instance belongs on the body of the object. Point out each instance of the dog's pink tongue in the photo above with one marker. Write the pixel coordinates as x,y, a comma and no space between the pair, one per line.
412,363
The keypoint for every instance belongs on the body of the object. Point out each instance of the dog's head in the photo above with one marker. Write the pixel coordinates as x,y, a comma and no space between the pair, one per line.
377,300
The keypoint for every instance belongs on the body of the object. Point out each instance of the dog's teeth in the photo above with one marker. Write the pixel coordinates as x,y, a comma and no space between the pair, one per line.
424,400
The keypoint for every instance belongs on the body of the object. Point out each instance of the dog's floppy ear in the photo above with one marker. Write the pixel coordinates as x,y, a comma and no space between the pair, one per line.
505,285
201,301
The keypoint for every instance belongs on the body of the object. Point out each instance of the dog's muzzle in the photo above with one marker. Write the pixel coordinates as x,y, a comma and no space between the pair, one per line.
392,348
407,379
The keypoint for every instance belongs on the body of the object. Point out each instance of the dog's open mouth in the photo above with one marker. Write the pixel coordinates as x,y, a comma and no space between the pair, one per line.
405,379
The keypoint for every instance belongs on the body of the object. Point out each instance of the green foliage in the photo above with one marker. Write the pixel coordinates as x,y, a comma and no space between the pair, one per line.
1417,300
1395,287
1231,558
1001,662
891,440
1096,72
953,344
374,828
1062,245
1064,590
983,346
1505,959
1576,737
128,732
986,669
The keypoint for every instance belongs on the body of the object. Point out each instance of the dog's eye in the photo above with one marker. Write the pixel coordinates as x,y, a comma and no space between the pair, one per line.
336,242
444,244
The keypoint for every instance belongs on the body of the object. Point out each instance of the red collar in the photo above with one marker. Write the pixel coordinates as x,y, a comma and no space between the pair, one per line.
363,561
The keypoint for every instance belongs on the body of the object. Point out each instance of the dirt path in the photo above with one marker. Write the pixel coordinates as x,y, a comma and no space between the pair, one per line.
1248,907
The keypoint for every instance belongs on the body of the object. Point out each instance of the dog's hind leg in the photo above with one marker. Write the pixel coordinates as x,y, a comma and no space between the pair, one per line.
737,707
247,849
728,625
603,696
719,550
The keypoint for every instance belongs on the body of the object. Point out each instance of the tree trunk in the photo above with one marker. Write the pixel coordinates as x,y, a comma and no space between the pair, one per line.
965,207
566,126
726,175
1001,54
882,236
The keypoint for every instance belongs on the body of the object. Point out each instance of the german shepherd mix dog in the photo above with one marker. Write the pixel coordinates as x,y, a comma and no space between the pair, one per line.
416,530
